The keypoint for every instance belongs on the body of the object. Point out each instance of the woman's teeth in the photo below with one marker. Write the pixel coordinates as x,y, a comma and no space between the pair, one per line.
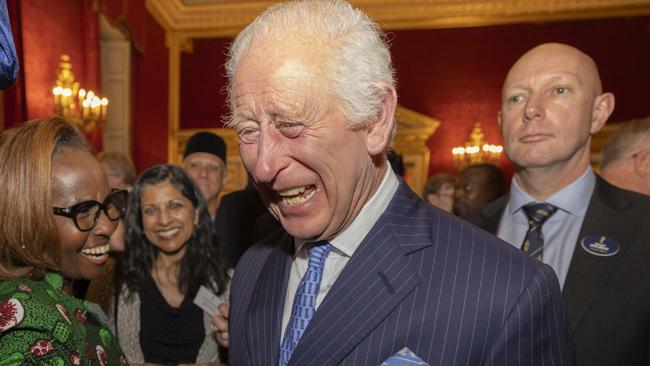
166,234
96,251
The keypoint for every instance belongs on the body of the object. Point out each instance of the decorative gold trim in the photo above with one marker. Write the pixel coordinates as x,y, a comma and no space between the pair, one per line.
410,142
226,18
414,129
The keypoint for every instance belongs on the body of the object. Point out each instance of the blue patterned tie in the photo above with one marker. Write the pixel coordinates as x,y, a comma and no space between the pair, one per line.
304,303
537,214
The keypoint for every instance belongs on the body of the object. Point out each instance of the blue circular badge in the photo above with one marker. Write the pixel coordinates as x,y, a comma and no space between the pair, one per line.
599,245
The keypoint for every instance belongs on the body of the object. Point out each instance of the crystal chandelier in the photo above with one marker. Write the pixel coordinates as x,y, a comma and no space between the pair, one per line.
476,150
78,105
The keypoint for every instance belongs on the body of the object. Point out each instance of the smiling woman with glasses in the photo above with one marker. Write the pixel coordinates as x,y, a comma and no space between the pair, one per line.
57,215
85,214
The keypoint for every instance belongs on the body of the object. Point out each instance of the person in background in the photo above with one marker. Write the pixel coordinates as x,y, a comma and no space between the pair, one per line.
439,191
396,162
594,235
477,186
364,270
204,159
57,214
166,262
242,220
118,168
120,172
626,157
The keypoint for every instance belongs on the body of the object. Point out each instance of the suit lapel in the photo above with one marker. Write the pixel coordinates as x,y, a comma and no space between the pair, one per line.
490,216
587,272
267,304
372,284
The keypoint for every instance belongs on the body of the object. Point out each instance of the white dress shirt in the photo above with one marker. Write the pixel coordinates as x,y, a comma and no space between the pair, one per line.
343,246
560,231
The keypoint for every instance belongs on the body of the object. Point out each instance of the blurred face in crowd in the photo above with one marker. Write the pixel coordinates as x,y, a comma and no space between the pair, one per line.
313,171
168,218
115,180
473,192
78,177
444,198
551,104
208,171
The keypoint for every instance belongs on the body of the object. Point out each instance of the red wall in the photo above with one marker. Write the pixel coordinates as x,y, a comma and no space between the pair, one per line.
150,60
44,30
44,39
455,75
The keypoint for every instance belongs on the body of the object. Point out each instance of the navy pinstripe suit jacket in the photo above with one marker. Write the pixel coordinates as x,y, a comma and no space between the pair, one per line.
421,279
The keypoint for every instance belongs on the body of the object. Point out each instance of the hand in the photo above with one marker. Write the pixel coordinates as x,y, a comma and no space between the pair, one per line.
220,321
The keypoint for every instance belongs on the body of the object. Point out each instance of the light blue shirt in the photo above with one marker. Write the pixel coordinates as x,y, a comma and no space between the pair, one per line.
561,230
343,246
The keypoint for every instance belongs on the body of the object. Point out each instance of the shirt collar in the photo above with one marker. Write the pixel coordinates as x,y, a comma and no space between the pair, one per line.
349,239
570,199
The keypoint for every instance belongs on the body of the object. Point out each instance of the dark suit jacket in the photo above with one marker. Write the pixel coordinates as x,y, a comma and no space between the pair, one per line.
421,279
241,221
607,298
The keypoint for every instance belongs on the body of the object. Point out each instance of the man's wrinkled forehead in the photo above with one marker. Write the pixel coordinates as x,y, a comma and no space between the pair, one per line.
270,86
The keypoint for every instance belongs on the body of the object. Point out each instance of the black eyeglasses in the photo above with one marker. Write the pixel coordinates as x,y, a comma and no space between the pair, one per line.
85,214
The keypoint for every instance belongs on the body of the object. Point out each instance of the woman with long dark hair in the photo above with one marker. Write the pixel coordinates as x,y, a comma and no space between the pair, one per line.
171,252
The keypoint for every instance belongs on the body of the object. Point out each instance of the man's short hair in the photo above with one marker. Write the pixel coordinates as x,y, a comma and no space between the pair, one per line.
359,60
436,182
626,141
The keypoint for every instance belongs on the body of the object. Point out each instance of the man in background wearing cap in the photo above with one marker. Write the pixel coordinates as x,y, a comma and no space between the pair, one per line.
204,160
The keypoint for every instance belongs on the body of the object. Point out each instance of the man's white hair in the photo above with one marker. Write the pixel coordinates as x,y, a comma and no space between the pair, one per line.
628,140
360,60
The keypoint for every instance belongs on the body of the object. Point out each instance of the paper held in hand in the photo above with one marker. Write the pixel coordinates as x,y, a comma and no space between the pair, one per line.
207,300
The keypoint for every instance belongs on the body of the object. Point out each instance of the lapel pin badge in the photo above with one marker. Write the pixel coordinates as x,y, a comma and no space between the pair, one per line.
600,245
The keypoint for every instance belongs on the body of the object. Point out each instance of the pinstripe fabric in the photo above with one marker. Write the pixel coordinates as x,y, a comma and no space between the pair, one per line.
607,298
421,279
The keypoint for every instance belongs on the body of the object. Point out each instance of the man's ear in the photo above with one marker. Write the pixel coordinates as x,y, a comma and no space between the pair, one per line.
642,163
603,108
380,128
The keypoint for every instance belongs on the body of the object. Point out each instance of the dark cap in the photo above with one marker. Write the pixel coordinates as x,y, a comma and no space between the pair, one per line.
206,142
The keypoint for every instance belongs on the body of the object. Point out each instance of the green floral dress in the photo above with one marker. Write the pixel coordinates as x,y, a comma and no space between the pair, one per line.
41,325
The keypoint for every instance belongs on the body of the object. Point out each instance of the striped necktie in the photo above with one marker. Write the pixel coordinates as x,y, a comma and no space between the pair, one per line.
304,302
537,214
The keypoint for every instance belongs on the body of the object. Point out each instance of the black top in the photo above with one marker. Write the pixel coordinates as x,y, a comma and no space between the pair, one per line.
168,334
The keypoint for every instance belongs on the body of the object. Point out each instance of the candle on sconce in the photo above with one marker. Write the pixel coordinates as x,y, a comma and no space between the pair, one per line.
104,110
80,106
